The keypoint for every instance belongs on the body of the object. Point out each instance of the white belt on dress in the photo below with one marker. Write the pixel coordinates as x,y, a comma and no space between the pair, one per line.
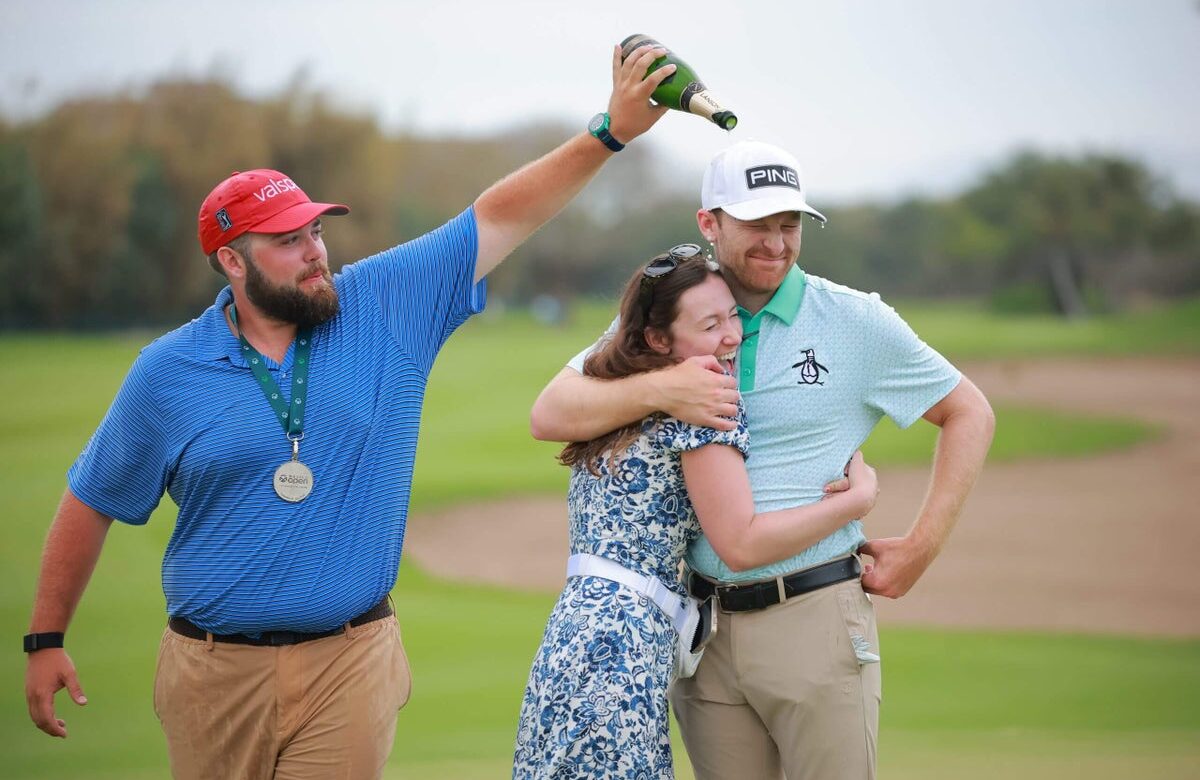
675,607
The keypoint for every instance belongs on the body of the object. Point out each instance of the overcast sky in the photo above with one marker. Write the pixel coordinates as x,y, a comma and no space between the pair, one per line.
876,97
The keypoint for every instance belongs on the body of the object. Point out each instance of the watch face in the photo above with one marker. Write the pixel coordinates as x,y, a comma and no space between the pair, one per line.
597,124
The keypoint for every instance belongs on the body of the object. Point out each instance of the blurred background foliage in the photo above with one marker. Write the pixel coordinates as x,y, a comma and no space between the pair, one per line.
101,194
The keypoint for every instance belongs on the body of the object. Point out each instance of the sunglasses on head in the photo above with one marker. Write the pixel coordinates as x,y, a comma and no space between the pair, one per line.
663,264
660,266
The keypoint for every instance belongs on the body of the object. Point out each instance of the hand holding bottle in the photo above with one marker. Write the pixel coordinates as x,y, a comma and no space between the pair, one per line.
683,90
629,109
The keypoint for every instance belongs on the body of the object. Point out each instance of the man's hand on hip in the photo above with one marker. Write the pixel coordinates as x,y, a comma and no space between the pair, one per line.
897,563
697,391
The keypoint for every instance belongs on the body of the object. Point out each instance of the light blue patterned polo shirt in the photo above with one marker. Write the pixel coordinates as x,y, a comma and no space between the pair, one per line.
819,366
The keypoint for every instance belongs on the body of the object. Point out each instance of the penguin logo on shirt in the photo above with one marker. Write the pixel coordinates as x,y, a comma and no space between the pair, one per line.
810,369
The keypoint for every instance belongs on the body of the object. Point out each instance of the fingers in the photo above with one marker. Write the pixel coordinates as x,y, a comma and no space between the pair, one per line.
838,485
721,423
640,60
656,78
633,70
41,711
75,689
707,362
869,548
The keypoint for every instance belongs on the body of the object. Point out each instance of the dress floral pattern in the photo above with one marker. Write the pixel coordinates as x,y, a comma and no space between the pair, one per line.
596,702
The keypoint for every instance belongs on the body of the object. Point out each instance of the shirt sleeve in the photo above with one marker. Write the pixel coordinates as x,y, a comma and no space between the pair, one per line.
123,470
426,287
906,375
678,436
578,361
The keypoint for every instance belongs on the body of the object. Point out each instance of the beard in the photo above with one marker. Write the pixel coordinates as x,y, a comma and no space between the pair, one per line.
290,303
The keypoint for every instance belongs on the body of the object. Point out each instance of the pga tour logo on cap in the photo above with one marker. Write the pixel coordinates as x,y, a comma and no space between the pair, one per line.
223,219
772,176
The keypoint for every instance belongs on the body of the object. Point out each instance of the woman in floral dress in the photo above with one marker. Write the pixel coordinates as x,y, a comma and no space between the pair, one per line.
596,702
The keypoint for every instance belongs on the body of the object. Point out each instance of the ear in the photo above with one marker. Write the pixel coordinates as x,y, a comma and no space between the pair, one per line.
232,262
707,222
658,341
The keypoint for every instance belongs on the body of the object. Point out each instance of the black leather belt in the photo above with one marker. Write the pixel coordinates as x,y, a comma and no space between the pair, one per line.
760,595
277,638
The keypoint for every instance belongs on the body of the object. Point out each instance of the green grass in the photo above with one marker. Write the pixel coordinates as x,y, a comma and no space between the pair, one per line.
1009,704
967,331
956,704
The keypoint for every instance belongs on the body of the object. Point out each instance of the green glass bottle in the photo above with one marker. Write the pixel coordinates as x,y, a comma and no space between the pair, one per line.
682,90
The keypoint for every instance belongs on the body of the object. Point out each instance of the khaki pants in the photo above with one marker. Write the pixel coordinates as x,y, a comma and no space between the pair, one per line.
784,691
320,709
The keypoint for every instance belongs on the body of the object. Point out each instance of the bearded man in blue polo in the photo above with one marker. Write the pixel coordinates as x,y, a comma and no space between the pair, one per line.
283,422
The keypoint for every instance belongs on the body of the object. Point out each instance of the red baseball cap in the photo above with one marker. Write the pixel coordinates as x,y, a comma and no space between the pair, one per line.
259,201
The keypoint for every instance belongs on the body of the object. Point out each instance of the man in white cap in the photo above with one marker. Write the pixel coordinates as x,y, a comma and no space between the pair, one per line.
283,422
790,683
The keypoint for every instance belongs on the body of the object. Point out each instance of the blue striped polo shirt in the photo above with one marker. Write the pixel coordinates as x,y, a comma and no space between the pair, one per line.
191,421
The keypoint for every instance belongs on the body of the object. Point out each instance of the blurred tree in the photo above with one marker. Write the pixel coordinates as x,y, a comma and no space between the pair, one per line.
101,198
1081,229
132,285
20,233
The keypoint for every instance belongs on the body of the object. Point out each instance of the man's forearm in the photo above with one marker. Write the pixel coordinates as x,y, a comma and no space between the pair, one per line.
574,407
962,447
517,205
513,208
72,548
966,422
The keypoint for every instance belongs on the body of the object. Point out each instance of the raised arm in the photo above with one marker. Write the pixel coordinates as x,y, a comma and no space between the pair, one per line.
510,210
719,489
967,423
574,407
72,549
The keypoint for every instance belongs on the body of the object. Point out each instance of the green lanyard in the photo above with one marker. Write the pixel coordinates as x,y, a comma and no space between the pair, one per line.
292,419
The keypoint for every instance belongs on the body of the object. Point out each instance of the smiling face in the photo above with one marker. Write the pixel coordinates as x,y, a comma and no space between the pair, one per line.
706,323
755,255
287,276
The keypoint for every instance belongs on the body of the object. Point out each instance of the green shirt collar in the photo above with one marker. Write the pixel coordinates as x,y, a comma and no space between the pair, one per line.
785,303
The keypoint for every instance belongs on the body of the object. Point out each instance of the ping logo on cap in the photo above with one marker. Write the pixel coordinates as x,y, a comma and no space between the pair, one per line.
223,219
772,176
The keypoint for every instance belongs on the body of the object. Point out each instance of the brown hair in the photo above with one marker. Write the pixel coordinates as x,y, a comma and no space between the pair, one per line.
645,303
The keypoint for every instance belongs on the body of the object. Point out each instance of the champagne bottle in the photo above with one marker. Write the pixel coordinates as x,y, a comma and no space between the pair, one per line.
682,90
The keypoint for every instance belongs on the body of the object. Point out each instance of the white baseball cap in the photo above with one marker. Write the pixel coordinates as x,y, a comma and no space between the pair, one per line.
752,180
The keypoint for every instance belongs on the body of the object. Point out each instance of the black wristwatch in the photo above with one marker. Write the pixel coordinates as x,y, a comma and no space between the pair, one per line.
43,641
599,128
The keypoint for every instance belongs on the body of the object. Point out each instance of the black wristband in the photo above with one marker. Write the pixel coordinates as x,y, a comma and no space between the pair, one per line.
43,641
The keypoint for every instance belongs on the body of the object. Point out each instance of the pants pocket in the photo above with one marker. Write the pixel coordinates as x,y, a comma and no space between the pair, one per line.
858,615
401,671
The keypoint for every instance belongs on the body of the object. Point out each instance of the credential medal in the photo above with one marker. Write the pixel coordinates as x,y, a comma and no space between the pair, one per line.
293,481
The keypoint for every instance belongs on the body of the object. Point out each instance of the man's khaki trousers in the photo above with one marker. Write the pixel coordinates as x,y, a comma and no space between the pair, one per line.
320,709
791,690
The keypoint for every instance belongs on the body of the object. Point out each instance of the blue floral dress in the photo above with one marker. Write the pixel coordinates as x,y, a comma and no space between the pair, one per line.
596,702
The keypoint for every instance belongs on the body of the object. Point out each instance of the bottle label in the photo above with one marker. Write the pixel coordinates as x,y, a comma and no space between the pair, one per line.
698,100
